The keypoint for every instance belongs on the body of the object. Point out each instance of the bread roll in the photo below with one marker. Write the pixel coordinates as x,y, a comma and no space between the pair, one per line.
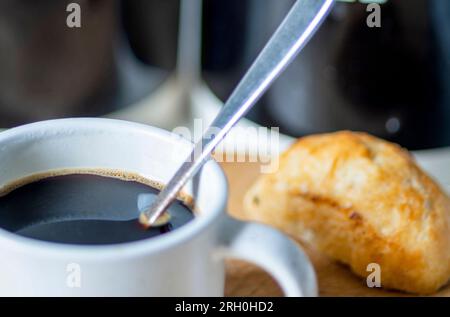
360,200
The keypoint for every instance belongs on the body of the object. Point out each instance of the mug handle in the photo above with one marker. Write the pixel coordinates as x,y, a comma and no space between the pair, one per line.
273,251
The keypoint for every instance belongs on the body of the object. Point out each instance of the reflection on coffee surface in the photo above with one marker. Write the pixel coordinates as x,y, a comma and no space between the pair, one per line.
84,208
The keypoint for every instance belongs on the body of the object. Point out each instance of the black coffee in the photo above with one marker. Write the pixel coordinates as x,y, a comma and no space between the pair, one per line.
84,209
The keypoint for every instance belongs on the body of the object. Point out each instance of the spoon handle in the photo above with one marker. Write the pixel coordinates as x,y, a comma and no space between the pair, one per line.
295,31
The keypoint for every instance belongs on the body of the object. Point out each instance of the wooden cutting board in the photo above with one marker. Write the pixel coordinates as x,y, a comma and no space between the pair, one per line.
244,279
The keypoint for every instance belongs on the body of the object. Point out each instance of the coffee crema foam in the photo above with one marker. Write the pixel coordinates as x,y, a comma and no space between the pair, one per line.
185,198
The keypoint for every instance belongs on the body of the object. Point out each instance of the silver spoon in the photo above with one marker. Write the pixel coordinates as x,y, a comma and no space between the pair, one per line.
300,24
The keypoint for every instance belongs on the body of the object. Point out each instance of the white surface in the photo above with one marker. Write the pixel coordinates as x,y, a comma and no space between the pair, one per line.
162,108
437,163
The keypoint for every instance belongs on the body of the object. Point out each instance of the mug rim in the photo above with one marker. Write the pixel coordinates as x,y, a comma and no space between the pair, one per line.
154,244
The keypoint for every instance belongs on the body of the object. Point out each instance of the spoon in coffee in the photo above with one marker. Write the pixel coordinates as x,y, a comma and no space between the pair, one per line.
295,31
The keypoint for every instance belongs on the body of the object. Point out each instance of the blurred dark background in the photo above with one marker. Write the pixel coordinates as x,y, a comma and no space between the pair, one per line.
392,81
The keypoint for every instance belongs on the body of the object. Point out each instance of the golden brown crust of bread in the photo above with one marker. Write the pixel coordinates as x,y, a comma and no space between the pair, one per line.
360,200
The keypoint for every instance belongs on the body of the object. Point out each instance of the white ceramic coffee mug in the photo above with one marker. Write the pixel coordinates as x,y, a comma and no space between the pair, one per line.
186,262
